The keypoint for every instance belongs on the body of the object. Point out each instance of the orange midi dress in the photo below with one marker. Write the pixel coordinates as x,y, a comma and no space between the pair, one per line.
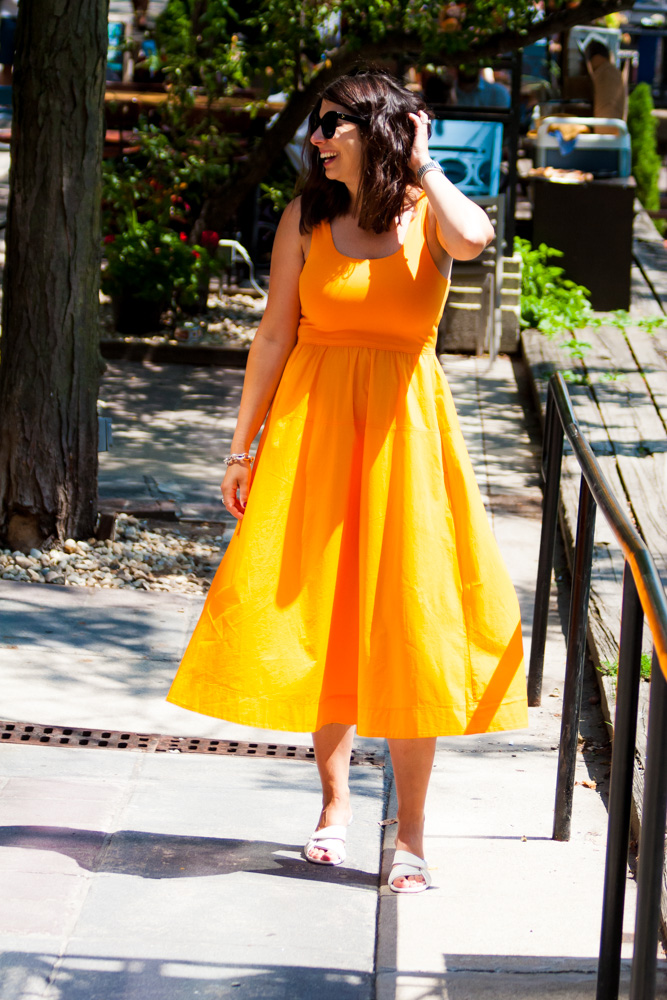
363,584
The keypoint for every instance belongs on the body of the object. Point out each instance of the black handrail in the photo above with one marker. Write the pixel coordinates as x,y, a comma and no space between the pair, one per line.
643,595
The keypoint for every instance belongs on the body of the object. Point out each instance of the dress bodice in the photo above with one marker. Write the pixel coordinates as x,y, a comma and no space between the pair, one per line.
389,303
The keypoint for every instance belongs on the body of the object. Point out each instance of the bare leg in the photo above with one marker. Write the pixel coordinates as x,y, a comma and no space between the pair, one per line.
412,761
333,746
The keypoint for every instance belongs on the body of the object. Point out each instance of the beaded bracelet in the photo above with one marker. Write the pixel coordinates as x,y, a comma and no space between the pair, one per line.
241,457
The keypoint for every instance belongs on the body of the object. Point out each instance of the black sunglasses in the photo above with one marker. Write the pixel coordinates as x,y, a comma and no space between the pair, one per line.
329,122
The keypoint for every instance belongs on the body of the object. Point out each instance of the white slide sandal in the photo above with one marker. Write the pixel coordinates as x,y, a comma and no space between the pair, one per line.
406,864
329,838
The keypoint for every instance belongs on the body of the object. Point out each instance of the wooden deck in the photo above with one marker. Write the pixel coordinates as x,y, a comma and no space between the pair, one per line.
619,393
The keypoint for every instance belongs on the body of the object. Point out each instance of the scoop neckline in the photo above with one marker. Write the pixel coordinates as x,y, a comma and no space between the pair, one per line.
365,260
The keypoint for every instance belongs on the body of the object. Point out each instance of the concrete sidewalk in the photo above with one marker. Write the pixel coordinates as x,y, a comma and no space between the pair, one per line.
133,876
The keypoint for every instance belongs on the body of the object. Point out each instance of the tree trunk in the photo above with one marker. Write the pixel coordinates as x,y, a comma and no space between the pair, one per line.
50,363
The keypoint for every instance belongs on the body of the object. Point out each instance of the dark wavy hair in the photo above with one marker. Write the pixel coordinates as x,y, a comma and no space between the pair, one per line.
386,138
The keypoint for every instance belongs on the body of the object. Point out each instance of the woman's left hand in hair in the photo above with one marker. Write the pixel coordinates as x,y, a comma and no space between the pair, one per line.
462,227
419,155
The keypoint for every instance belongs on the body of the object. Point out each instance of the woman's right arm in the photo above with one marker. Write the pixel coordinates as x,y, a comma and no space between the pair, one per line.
272,345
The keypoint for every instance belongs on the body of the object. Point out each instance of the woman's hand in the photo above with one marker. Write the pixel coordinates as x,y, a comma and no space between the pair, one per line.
235,488
419,155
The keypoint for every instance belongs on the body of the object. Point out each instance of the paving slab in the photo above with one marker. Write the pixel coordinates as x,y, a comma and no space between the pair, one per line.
511,913
103,659
190,879
172,426
172,876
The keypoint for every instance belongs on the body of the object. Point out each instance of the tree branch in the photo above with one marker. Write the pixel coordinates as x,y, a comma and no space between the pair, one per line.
220,210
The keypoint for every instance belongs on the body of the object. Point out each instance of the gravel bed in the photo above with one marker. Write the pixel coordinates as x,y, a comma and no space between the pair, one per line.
141,558
229,321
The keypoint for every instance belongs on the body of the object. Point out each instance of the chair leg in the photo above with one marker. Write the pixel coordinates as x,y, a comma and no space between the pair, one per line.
484,338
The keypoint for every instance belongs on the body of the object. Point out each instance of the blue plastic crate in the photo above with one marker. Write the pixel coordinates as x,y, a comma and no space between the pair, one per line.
469,153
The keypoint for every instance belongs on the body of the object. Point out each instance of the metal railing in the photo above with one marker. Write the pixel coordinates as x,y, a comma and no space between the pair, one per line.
643,596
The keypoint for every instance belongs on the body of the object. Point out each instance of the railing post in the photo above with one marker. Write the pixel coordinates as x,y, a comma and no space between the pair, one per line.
620,790
574,666
551,467
651,842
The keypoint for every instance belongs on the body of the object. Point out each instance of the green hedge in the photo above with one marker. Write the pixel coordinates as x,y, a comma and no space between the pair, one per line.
642,126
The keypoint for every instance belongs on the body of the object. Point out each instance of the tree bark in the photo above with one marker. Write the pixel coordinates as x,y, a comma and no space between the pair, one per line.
49,356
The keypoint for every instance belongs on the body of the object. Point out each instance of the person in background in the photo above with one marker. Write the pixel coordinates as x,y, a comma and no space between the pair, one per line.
474,91
9,10
610,95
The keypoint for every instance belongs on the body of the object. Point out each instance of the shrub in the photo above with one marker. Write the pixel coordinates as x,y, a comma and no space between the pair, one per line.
549,301
156,264
642,126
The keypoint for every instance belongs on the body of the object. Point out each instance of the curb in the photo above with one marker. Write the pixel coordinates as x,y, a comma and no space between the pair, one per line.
180,354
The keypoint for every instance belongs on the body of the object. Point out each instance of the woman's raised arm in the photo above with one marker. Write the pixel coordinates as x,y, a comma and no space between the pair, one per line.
463,228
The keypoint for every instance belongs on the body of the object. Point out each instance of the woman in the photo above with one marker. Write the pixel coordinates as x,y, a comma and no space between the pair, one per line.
363,584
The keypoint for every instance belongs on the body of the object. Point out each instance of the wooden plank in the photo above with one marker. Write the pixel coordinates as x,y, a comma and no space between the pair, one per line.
632,422
643,228
637,435
642,297
650,258
645,480
650,355
543,357
648,250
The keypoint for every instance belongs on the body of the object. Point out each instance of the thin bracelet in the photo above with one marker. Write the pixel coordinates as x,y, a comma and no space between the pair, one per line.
240,457
425,167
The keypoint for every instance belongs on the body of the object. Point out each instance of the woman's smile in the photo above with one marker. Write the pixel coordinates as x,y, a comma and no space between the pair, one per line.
340,155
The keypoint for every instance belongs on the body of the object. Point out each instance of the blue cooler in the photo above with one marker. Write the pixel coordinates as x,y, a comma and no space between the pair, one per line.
598,154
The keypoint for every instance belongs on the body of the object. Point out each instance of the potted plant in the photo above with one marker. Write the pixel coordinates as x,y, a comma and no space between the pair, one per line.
150,267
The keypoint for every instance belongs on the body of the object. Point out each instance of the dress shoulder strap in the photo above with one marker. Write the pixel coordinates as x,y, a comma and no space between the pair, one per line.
416,234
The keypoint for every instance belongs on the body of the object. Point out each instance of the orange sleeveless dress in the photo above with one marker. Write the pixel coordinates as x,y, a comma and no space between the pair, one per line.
364,584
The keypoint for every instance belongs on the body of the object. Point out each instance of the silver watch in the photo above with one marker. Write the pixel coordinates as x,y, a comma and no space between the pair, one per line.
425,167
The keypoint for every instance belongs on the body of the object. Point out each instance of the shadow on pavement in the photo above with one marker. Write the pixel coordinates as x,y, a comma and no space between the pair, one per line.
89,977
160,856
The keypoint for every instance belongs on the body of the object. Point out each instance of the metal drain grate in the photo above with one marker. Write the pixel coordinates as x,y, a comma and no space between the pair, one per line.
58,736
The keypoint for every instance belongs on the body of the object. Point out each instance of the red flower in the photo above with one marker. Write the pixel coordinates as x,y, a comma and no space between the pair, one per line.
196,255
110,238
183,236
209,240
